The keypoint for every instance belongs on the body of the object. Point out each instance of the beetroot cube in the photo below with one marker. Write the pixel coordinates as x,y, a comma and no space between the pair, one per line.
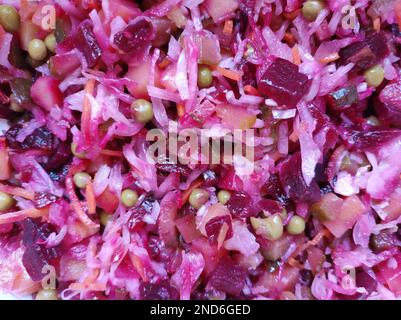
87,43
283,83
228,277
366,53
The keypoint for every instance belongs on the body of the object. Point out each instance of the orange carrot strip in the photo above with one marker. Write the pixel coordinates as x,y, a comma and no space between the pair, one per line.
251,90
185,195
112,153
180,110
90,198
16,216
87,109
17,191
330,58
164,63
138,266
294,136
76,205
376,24
230,74
289,37
296,57
228,27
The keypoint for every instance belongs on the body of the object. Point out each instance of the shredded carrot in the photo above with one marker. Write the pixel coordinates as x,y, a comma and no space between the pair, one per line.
16,216
230,74
138,266
180,110
164,63
248,89
90,198
17,191
294,136
228,27
289,38
294,263
112,153
87,109
196,184
376,24
77,206
296,57
292,15
330,58
91,278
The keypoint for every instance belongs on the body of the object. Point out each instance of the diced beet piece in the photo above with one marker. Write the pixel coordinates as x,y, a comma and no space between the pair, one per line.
293,182
388,106
36,256
370,139
61,155
382,241
343,98
365,53
11,136
283,83
270,206
139,211
210,178
230,181
273,189
43,199
162,290
41,138
391,275
213,228
46,93
228,277
240,205
86,42
136,38
169,167
305,277
363,279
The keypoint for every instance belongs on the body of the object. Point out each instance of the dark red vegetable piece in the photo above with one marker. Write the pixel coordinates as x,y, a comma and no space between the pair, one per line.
283,83
368,139
382,241
136,38
228,277
36,255
240,205
293,182
214,226
365,53
161,290
87,43
43,199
